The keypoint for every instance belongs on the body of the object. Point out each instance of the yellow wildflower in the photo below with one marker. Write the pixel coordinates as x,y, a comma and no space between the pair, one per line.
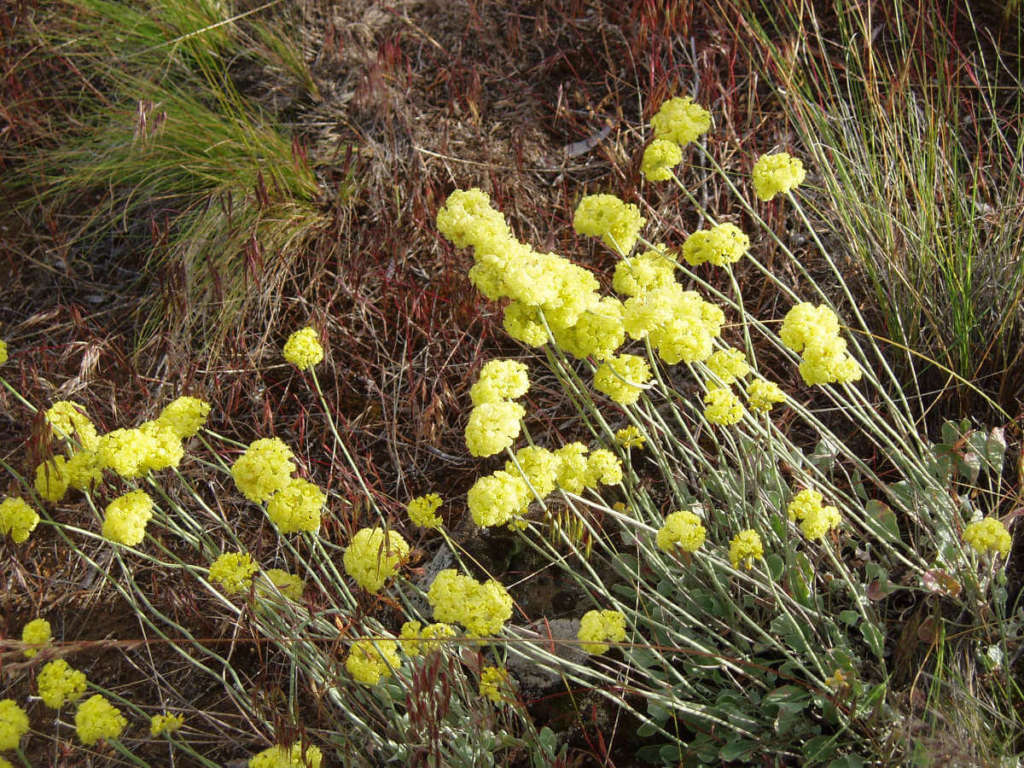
370,661
500,380
233,571
184,416
52,479
617,223
296,507
68,420
422,510
597,628
680,120
97,719
988,534
126,517
374,556
165,723
728,365
493,427
776,173
660,157
745,547
722,244
35,632
288,584
764,394
537,466
622,378
13,724
17,518
303,349
264,469
721,406
416,641
681,529
482,609
630,437
58,682
494,682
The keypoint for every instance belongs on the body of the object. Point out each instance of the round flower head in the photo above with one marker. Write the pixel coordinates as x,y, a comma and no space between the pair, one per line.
482,609
806,324
493,427
3,351
97,719
637,275
127,452
660,157
500,380
422,510
303,349
167,449
776,173
233,571
52,479
497,498
370,661
630,437
764,394
622,378
721,406
722,244
597,332
522,323
126,517
416,641
494,682
728,365
84,470
13,724
467,219
603,468
682,529
680,120
572,467
184,416
17,519
288,757
745,548
537,466
296,507
597,627
615,222
264,469
69,421
58,682
165,723
36,632
988,534
374,556
288,584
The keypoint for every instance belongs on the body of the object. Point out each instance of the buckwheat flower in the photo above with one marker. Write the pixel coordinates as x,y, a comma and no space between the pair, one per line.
17,519
165,723
650,270
97,719
416,641
816,518
303,349
522,322
127,452
126,516
467,219
762,395
370,661
988,534
52,479
3,351
572,467
603,468
233,571
500,380
745,548
422,510
630,437
296,507
681,121
776,173
84,470
166,450
493,427
660,157
13,724
184,416
721,406
722,244
537,466
622,378
264,469
497,498
68,420
374,556
617,223
807,324
803,503
681,529
288,584
58,682
482,609
288,757
597,332
728,365
36,632
494,681
597,627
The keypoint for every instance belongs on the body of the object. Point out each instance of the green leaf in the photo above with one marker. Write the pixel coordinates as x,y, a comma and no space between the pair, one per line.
819,748
737,748
776,565
874,637
995,449
849,617
882,520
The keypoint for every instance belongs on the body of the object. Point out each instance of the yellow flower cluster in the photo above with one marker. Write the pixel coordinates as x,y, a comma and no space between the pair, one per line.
681,121
13,724
233,571
630,437
764,394
303,349
622,378
58,683
680,324
165,723
815,519
497,498
637,275
660,157
17,519
988,534
264,469
500,380
494,682
374,556
68,421
598,628
126,517
37,633
814,332
482,609
603,468
52,479
97,719
422,510
416,641
288,757
296,507
728,365
288,584
681,529
745,548
369,661
722,407
184,416
538,467
722,244
617,223
776,173
493,427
